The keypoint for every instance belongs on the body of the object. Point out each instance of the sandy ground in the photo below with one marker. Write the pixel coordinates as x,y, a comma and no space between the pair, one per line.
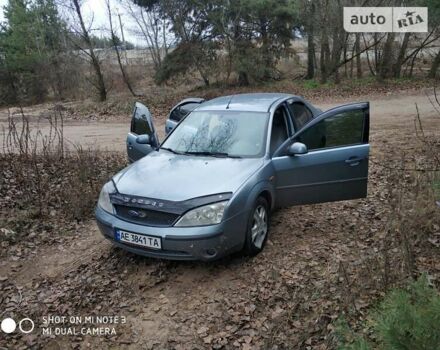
197,305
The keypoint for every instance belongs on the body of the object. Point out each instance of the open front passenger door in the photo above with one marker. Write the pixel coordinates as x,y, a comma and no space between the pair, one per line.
326,160
142,138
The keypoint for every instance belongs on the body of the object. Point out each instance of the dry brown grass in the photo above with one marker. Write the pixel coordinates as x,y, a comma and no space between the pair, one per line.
43,181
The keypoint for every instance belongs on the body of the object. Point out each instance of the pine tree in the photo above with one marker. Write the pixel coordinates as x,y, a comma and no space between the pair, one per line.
30,42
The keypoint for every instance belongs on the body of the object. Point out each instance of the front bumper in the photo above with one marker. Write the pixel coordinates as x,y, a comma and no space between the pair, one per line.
180,243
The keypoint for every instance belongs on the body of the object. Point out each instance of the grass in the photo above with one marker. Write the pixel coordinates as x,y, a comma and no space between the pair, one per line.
314,84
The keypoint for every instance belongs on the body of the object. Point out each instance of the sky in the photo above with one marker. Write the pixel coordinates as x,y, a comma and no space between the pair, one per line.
96,9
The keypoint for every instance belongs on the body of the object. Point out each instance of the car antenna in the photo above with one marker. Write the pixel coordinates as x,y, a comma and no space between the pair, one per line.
227,107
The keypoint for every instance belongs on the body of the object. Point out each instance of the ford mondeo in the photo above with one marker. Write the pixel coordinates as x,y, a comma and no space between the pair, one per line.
209,188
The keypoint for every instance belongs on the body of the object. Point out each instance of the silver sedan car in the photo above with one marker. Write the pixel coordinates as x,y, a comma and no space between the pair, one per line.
208,189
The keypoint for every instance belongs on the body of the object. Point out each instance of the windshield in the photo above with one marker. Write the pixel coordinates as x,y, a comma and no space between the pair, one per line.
230,133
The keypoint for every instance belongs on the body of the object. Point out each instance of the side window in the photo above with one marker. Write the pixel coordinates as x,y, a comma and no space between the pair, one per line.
279,132
301,113
342,129
175,114
139,124
181,111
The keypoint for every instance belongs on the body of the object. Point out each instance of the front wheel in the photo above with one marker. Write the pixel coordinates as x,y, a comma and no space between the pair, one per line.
258,226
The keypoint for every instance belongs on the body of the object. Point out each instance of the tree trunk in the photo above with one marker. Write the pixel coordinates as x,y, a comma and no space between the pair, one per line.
239,52
94,60
387,58
204,78
124,73
118,54
413,61
336,54
357,49
243,79
267,56
311,44
310,56
400,58
376,55
370,67
325,53
435,66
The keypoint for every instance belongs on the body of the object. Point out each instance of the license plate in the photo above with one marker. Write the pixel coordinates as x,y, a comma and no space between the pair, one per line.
137,239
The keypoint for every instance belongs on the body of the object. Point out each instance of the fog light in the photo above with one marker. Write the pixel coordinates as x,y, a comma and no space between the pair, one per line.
211,252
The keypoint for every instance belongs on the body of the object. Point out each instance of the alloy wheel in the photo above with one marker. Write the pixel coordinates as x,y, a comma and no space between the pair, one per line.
259,226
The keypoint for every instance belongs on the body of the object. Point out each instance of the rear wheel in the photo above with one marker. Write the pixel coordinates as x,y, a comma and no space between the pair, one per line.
258,226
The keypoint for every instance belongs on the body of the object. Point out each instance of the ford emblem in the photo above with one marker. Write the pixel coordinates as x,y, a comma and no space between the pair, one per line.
137,213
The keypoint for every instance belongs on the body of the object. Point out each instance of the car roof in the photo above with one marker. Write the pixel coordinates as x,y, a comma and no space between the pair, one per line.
254,102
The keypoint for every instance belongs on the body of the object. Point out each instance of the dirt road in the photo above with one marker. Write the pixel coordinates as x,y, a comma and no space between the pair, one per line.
385,110
287,297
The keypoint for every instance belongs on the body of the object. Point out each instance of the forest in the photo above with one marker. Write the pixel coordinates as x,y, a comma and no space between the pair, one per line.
50,50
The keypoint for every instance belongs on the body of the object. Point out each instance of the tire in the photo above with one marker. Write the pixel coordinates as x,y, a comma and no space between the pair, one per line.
257,231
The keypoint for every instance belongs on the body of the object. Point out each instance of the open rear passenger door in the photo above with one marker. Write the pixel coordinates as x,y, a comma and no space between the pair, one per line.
181,110
327,159
142,138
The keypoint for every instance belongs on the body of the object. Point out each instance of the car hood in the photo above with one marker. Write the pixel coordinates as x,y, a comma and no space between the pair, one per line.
167,176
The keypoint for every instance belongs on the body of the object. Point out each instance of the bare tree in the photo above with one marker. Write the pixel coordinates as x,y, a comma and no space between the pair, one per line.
435,65
430,38
153,29
88,49
115,45
310,9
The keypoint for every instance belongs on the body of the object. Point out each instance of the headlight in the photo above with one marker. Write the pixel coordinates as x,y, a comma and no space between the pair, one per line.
104,197
210,214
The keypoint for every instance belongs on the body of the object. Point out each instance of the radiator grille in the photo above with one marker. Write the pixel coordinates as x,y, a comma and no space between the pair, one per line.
145,216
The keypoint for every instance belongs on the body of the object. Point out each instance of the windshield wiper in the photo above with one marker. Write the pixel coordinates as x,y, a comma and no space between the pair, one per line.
212,154
171,150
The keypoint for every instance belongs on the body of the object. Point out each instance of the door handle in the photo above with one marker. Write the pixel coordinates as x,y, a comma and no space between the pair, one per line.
353,161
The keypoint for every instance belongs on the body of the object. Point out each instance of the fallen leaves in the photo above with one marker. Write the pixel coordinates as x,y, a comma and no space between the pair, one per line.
323,261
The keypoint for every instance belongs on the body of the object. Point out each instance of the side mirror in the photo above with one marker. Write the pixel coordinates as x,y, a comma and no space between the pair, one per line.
297,148
143,139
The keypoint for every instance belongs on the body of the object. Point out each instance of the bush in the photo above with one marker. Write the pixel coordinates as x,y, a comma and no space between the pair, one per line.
410,319
407,319
43,183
